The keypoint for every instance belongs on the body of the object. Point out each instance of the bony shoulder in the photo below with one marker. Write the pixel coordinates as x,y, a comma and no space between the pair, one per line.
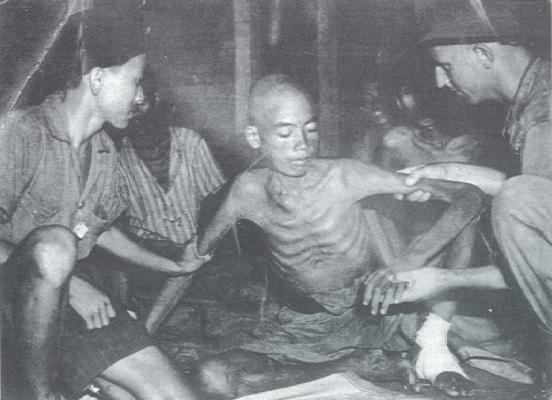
345,166
326,165
249,183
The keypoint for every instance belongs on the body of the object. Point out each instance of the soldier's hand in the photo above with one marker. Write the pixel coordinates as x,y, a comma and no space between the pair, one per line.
423,284
382,289
414,174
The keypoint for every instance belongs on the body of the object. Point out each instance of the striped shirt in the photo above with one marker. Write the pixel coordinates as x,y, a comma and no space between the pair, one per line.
156,214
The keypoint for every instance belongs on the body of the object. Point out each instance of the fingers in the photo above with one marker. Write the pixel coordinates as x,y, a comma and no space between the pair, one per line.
100,317
103,318
377,297
89,320
388,298
96,319
399,292
419,195
370,285
110,310
382,288
413,178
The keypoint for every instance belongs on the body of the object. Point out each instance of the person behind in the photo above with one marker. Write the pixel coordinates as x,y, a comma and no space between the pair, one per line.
167,171
486,59
60,193
321,242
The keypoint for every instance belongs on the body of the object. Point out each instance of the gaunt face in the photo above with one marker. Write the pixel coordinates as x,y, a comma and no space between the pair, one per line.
459,68
121,91
288,132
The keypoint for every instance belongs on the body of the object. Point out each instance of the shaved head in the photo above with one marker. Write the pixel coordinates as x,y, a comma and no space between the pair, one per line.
266,90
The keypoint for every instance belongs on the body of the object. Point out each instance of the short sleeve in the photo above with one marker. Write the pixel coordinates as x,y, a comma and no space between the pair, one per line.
536,157
122,183
207,173
20,149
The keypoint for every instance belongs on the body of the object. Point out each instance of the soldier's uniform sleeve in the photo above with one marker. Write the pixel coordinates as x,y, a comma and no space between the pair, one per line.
20,147
536,158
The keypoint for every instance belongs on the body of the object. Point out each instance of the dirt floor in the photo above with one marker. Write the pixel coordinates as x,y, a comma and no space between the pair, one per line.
489,387
188,322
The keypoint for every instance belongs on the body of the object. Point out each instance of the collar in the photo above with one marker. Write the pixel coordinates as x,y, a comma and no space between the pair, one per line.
56,120
531,76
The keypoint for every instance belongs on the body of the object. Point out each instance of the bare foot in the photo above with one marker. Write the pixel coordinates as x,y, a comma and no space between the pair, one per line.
454,384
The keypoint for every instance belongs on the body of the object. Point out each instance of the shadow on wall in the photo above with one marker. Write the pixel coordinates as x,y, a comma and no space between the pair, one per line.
191,50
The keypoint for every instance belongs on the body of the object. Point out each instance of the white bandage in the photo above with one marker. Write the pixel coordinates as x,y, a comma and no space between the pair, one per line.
435,357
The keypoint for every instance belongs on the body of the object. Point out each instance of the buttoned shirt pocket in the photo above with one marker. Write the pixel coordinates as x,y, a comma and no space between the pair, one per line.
41,212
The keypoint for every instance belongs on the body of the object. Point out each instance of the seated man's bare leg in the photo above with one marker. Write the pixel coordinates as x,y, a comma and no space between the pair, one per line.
373,365
149,375
238,373
435,362
48,256
447,374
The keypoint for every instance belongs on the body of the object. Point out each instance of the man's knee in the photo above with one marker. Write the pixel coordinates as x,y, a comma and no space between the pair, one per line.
52,251
217,377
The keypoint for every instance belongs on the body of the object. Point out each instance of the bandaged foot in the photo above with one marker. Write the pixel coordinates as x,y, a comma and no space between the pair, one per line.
435,357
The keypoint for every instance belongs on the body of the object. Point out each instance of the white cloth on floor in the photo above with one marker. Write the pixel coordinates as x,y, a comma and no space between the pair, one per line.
341,386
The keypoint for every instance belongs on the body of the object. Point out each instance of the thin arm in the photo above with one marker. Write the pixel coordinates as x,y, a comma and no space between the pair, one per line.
119,244
224,219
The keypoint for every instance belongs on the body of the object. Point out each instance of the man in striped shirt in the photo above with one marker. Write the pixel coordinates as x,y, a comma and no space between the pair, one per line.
167,171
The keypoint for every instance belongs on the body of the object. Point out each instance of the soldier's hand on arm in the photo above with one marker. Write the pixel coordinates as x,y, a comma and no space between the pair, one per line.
382,289
90,303
414,174
386,287
422,284
487,179
427,283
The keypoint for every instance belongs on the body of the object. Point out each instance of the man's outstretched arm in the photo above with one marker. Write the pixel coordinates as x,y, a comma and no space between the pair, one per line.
430,282
226,216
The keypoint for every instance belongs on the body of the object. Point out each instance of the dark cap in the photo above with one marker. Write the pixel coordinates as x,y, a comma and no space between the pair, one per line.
463,22
111,35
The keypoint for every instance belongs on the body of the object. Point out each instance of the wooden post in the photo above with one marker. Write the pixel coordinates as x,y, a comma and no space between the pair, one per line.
327,77
245,59
245,72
